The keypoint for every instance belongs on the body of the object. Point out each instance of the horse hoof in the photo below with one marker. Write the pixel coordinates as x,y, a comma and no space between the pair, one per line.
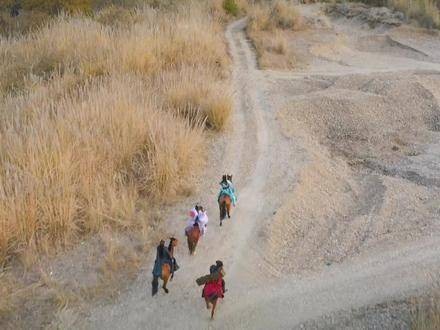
220,224
166,290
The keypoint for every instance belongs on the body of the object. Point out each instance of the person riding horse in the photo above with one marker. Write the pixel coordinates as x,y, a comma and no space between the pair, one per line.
174,265
218,268
214,286
165,255
162,256
164,266
199,217
227,188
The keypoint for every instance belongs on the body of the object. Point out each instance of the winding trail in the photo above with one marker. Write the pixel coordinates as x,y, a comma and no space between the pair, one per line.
259,297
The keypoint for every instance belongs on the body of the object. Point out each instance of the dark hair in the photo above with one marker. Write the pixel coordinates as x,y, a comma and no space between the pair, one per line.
219,263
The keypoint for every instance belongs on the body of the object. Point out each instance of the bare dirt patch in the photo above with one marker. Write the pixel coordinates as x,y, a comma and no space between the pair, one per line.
372,140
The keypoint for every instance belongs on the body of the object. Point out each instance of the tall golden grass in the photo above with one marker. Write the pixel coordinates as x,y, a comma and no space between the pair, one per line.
97,120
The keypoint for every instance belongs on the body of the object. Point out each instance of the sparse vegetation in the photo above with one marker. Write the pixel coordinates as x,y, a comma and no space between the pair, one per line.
426,12
426,312
268,25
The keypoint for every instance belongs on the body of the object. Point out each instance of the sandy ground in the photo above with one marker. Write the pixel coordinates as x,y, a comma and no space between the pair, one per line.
337,167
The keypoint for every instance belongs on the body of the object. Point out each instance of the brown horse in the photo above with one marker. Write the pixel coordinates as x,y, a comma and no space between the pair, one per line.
224,204
166,272
193,236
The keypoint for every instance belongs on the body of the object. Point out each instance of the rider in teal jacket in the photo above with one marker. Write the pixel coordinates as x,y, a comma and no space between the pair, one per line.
227,189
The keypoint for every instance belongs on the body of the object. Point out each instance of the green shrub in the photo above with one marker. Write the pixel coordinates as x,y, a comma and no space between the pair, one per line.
231,7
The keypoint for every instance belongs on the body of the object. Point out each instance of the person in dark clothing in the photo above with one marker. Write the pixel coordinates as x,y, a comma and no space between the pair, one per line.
174,265
162,256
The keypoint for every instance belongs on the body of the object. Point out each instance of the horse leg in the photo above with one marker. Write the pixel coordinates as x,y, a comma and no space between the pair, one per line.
189,244
194,244
165,276
155,285
165,281
214,303
228,209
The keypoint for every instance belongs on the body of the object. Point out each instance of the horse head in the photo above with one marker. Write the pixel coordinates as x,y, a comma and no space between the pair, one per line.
173,241
229,177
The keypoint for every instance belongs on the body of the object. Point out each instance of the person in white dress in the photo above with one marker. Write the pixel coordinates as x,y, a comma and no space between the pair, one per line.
200,216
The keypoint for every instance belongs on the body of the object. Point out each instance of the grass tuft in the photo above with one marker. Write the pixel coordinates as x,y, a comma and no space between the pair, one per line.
231,7
268,25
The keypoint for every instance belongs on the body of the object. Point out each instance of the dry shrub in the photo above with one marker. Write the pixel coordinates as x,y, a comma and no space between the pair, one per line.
26,22
188,96
285,16
63,44
268,27
426,12
225,10
425,313
54,7
88,125
84,160
155,44
276,15
114,15
278,44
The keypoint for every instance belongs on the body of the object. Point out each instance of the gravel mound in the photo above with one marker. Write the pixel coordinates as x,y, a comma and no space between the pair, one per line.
362,185
372,15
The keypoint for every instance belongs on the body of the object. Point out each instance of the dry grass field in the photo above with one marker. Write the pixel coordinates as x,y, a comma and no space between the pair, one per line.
102,119
95,118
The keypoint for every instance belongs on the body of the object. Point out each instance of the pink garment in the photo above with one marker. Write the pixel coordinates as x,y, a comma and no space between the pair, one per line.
202,221
192,214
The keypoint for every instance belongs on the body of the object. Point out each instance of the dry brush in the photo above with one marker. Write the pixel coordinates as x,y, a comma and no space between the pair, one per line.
100,120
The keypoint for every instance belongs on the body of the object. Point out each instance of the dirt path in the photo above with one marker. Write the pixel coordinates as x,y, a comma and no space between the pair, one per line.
266,165
248,156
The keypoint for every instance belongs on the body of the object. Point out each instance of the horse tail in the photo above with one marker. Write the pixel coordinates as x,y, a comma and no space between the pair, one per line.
222,208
